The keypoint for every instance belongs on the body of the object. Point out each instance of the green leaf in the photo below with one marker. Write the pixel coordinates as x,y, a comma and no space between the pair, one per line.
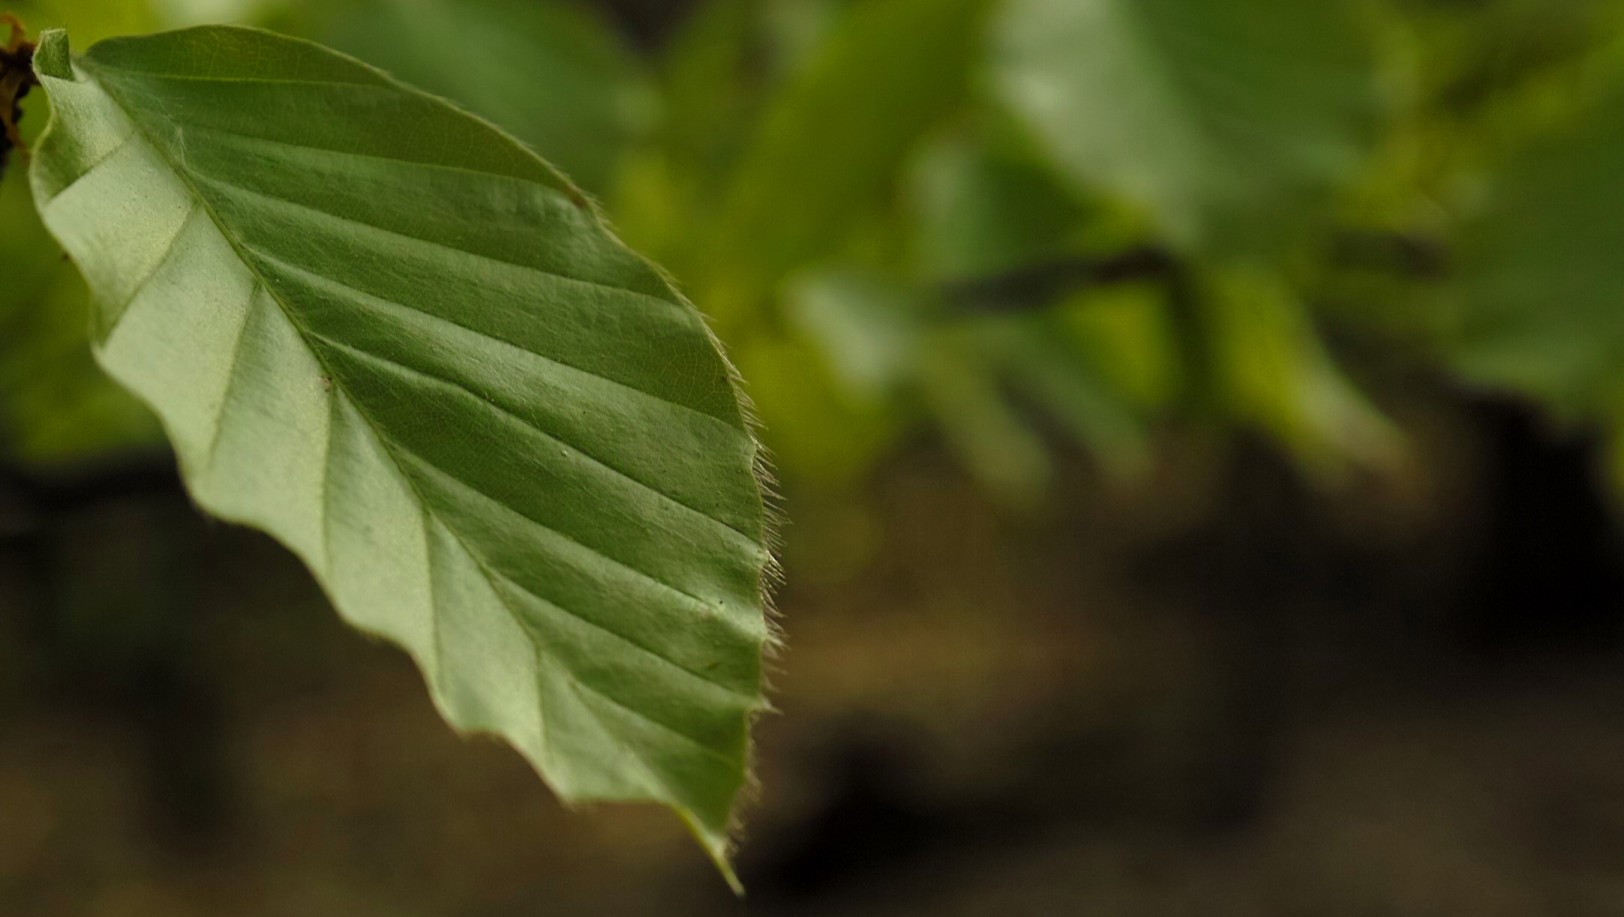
834,139
981,207
883,342
879,344
392,337
1214,117
1273,371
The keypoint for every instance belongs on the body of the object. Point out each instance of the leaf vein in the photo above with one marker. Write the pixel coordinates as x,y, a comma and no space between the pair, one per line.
232,374
660,724
358,295
670,305
157,268
483,403
624,638
252,140
103,159
435,470
254,80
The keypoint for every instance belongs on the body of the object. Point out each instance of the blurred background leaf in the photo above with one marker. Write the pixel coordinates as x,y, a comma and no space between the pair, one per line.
1219,120
830,142
1539,304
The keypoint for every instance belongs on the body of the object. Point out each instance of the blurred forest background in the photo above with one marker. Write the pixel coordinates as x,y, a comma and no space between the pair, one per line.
1201,427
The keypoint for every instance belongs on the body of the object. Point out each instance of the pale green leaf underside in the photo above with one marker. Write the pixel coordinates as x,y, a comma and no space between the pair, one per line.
390,336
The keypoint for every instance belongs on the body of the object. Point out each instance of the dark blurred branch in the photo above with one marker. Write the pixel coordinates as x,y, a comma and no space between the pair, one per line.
1410,255
1042,285
16,79
649,22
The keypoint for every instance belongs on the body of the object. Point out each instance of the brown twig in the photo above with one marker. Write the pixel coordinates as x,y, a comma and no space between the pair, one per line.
1040,285
16,79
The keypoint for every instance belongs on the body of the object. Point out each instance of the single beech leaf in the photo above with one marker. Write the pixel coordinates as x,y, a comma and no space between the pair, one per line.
389,335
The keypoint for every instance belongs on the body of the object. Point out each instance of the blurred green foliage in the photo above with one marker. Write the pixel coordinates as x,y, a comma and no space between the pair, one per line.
1022,226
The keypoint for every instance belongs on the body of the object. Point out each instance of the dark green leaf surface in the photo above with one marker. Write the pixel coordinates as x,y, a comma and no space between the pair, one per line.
1214,117
389,335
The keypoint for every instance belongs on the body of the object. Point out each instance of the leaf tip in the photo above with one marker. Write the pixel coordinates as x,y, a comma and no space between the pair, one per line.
717,846
52,58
